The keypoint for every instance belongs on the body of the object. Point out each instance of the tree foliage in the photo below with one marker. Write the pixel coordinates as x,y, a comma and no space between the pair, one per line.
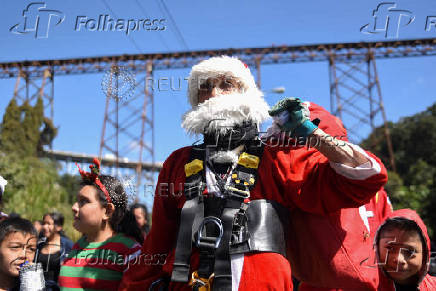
71,184
11,136
414,145
47,134
34,185
25,130
34,189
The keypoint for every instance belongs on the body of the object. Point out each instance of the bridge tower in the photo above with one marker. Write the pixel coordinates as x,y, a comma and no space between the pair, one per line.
128,125
356,98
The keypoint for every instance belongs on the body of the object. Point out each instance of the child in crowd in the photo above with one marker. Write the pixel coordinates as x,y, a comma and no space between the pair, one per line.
17,245
110,235
403,251
53,248
140,212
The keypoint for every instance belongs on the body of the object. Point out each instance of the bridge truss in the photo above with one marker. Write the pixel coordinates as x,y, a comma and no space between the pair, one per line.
355,92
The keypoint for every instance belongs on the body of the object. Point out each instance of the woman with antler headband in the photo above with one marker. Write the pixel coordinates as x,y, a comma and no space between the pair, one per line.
110,236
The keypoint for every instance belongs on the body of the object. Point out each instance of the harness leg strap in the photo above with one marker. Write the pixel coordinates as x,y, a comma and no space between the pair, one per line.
191,211
223,267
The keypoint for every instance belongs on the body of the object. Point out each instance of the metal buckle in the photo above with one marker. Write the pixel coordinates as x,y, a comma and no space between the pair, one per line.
240,219
217,222
239,226
201,284
243,194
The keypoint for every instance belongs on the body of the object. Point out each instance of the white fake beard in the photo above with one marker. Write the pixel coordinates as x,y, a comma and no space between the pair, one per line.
222,112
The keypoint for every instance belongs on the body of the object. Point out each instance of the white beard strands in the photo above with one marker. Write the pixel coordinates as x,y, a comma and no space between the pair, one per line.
221,113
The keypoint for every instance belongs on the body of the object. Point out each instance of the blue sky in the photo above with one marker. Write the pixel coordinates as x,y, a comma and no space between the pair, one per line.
407,84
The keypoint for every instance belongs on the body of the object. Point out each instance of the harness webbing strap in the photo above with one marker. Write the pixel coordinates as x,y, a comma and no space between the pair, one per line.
191,216
213,206
223,268
191,209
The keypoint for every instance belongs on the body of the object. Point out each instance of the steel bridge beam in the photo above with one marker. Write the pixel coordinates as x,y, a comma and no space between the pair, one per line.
87,159
263,55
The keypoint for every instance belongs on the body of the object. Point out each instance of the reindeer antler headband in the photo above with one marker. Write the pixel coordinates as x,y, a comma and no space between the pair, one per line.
92,177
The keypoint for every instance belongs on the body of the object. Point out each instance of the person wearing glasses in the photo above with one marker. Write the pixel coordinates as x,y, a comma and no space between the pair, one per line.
221,208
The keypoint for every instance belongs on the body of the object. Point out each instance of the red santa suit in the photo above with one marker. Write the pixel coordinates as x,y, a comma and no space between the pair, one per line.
298,178
327,252
425,282
333,251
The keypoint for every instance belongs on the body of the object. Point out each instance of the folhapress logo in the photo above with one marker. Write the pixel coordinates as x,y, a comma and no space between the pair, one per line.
37,19
107,23
388,20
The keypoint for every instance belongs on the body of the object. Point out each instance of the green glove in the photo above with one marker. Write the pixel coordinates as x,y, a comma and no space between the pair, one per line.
292,116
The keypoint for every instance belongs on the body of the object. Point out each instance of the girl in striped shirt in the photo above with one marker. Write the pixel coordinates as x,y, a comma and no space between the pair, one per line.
109,244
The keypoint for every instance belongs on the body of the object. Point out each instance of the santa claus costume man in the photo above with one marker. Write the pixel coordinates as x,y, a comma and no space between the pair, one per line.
221,208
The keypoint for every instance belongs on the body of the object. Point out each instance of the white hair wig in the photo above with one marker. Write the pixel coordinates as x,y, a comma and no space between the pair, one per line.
215,67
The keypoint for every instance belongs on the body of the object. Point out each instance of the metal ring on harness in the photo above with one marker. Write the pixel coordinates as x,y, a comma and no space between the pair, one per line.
217,222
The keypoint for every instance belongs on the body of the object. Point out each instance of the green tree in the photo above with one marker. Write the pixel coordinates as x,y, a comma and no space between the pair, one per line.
21,128
34,189
71,184
414,144
11,134
33,118
47,134
34,186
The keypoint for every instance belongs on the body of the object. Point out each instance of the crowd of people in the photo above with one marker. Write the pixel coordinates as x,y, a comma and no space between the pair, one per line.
298,207
111,232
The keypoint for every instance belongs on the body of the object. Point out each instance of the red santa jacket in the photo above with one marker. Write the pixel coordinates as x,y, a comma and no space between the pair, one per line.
327,251
425,282
330,252
296,177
